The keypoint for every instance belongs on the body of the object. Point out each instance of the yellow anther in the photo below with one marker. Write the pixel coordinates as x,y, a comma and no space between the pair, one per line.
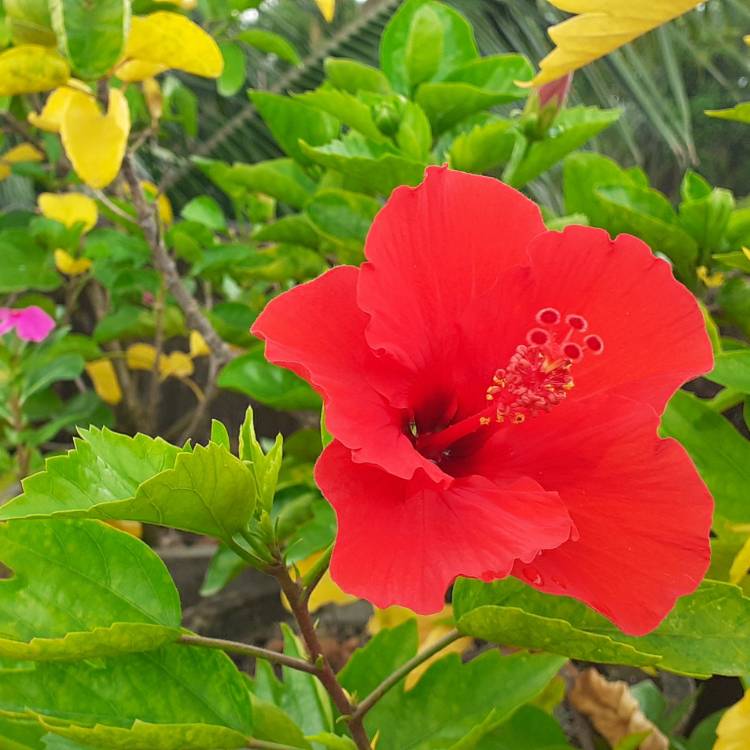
484,420
518,418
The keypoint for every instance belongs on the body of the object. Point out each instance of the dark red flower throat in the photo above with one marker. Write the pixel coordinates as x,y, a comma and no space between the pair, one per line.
537,377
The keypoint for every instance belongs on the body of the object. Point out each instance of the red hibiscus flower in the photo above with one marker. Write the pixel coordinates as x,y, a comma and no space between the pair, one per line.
494,391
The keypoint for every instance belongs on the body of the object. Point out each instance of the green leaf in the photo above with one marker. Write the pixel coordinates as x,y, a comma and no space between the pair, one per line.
456,44
282,179
414,136
295,229
92,35
291,121
457,703
333,741
24,264
738,113
270,43
224,567
691,640
219,434
233,75
529,728
265,465
19,734
346,107
205,210
424,45
36,378
703,736
273,724
82,589
111,476
354,76
736,259
343,216
273,386
732,369
474,87
373,167
484,147
706,219
161,700
721,454
572,128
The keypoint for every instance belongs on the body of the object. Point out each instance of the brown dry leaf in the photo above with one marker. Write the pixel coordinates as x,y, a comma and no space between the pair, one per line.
613,710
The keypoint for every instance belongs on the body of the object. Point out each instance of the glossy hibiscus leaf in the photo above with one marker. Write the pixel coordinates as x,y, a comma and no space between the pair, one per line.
343,216
691,640
282,179
82,589
300,695
347,108
529,728
572,129
272,44
224,567
294,228
291,121
111,476
721,454
273,724
472,88
706,219
273,386
157,699
354,76
487,145
732,369
371,167
91,54
424,40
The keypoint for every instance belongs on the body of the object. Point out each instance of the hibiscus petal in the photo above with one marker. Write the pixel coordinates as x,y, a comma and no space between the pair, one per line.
404,542
641,510
653,332
317,331
33,324
431,251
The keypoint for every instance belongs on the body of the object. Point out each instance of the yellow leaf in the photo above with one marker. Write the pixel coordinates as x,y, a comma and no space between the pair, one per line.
95,143
135,528
22,152
327,9
176,365
135,71
30,68
183,4
711,280
162,202
600,28
140,357
153,97
746,251
69,209
104,378
430,629
69,265
734,728
198,345
50,117
740,564
175,41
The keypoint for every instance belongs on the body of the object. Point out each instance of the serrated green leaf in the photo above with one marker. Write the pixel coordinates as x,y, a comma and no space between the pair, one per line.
472,88
484,147
157,700
691,640
721,454
82,589
110,476
91,34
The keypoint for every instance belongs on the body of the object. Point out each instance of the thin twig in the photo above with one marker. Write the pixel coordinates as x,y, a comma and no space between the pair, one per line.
152,410
245,649
393,679
22,129
313,576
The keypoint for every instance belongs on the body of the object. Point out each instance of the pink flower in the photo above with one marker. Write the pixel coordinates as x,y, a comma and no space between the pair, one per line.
30,323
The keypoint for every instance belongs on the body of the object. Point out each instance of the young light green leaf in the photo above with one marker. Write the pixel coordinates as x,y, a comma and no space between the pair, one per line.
92,35
343,216
352,111
219,434
272,44
354,76
273,724
486,146
82,589
159,700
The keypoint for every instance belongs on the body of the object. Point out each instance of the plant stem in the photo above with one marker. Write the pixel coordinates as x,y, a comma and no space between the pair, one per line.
312,579
245,649
298,604
393,679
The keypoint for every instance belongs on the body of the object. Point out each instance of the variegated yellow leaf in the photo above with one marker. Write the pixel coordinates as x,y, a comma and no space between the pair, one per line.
50,117
176,365
162,202
69,265
327,9
140,357
175,41
30,68
135,71
198,345
734,728
600,27
69,209
94,142
104,378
